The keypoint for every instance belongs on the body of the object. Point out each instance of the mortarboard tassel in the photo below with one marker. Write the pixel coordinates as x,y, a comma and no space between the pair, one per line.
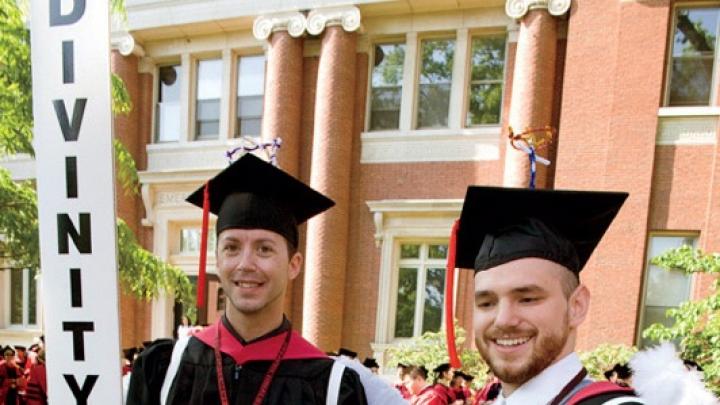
449,287
203,248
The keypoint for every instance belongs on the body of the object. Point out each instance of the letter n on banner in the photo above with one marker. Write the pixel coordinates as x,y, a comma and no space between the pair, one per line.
76,199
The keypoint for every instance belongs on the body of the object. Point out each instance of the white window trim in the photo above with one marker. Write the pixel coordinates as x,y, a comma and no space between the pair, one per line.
671,41
645,273
397,220
457,142
232,92
25,326
687,126
225,60
422,265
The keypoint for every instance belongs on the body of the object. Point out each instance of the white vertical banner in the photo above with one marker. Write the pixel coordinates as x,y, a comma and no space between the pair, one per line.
76,199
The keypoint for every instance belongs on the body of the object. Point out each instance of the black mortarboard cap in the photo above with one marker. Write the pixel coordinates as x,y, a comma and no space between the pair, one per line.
254,194
498,225
347,352
442,368
129,353
370,362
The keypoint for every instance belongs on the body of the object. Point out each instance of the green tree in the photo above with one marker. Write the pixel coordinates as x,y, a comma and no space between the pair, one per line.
696,324
604,357
430,350
141,273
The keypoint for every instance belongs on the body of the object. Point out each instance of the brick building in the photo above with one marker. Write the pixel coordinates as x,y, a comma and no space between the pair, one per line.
394,107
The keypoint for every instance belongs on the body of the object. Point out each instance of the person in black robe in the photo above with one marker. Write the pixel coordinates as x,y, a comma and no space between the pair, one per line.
262,360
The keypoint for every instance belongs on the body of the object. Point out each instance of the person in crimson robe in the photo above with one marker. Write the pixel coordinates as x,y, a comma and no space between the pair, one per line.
12,381
251,355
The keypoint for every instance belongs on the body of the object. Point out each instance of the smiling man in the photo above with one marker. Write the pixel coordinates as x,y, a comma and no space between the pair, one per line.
251,355
527,248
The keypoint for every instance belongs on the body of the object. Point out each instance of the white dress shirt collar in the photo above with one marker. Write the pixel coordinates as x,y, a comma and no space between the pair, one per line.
542,388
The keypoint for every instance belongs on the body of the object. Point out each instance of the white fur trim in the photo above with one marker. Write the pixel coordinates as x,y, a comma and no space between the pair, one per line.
660,378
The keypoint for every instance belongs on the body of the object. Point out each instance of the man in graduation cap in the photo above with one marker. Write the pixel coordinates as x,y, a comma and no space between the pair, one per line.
527,248
251,355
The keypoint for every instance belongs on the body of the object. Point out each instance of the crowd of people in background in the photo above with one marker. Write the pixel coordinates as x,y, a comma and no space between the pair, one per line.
23,379
453,387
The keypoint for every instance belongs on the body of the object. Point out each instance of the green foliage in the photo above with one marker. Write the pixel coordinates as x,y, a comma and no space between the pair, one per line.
126,169
141,273
696,324
15,82
121,101
604,357
430,350
18,223
145,275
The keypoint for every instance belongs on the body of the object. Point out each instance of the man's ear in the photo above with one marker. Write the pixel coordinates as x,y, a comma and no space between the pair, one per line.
295,265
578,305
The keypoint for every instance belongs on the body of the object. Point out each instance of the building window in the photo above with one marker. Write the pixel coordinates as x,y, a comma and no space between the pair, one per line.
436,66
386,86
168,104
487,70
207,107
250,91
664,289
23,297
190,241
420,288
693,54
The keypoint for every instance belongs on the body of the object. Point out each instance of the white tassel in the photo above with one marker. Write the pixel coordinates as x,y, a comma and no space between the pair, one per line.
660,378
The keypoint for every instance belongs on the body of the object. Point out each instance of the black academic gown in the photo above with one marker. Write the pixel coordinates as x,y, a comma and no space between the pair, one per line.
301,378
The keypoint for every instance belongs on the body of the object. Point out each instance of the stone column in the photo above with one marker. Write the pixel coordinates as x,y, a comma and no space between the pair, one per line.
533,79
283,91
327,234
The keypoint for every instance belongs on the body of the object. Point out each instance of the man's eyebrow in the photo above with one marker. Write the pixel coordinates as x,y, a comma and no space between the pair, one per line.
524,289
530,288
484,294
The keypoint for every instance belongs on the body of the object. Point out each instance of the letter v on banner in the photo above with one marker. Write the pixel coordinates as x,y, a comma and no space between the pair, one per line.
76,200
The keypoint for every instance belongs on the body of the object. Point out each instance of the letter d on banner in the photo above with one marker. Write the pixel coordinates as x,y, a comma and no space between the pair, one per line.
76,200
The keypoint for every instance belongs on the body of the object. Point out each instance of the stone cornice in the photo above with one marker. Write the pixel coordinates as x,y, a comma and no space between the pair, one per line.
292,22
518,8
347,17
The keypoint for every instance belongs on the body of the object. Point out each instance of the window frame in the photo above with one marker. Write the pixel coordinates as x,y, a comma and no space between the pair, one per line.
422,263
391,40
156,102
404,220
430,36
25,325
192,107
467,80
646,271
235,79
669,52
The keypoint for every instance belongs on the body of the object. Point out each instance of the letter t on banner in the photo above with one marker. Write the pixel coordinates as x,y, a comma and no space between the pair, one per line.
76,199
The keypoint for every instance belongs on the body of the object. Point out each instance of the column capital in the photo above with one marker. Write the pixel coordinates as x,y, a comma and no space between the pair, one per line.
347,17
518,8
293,22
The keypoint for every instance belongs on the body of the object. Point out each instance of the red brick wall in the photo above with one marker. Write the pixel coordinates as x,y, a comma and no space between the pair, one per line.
607,141
680,187
134,313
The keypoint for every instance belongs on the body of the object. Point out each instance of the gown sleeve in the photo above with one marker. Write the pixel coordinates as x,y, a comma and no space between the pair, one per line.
351,389
148,373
